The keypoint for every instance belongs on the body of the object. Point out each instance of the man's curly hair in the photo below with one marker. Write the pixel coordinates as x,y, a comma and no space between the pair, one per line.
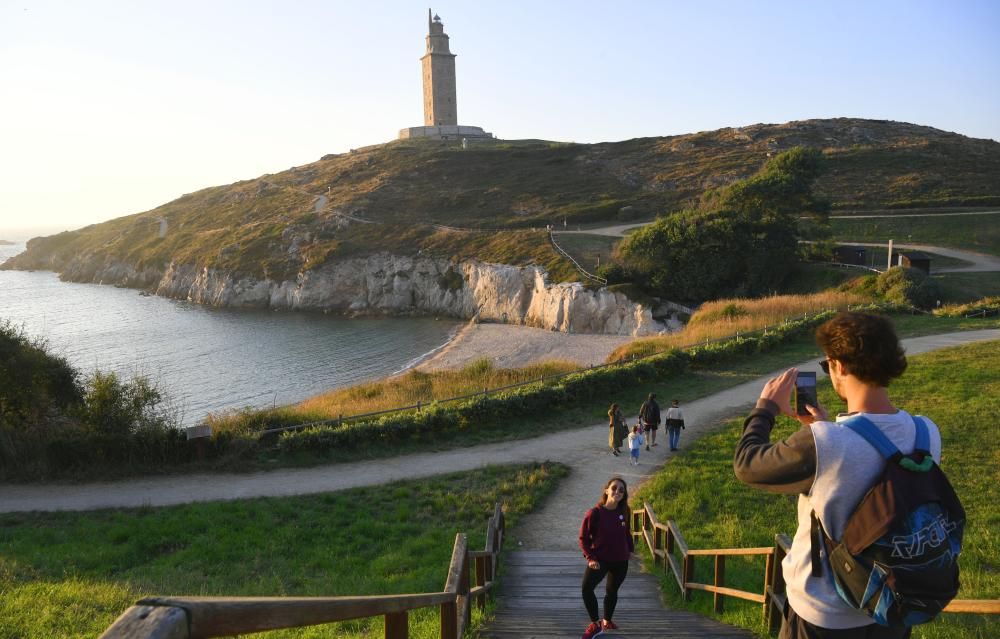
865,344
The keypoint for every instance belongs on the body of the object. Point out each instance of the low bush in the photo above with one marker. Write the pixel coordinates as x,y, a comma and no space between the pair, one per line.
33,382
52,424
901,285
985,307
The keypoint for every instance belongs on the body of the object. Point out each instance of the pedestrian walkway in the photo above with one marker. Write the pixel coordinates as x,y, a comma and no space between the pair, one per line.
553,527
539,598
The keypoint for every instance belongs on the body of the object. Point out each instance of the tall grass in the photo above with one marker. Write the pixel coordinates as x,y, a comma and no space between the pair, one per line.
955,387
725,317
402,390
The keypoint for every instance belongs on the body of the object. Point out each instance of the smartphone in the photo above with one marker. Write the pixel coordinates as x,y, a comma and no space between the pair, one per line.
805,392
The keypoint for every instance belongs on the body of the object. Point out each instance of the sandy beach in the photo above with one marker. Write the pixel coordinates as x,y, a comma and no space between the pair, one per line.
509,346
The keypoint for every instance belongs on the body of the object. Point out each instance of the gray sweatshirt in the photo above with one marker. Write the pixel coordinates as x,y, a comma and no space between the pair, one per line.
830,468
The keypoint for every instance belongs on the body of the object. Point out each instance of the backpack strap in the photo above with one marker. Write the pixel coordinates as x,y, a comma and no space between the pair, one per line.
923,446
815,539
871,434
923,443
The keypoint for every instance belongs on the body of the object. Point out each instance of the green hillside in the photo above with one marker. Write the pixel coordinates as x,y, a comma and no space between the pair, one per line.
389,197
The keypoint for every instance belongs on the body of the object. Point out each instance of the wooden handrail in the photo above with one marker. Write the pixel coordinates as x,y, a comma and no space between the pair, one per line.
663,539
764,550
978,606
197,617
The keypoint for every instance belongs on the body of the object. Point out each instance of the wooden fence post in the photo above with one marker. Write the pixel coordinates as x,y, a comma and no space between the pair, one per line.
457,586
465,601
688,576
720,581
658,543
768,568
449,620
777,582
481,580
396,625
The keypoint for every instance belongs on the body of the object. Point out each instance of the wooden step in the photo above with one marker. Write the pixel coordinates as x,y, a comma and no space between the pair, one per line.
539,598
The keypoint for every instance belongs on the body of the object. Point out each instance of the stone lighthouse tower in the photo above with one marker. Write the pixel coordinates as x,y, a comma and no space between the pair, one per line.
440,107
440,104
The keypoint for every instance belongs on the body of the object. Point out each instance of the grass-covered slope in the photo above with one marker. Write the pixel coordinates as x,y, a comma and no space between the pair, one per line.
270,226
957,388
71,574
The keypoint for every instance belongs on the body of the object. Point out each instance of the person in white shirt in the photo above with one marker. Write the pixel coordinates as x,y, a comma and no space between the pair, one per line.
675,423
829,466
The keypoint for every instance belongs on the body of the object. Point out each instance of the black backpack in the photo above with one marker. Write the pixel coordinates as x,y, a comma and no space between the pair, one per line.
898,559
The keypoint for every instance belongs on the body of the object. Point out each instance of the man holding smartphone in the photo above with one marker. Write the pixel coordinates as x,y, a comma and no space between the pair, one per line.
828,465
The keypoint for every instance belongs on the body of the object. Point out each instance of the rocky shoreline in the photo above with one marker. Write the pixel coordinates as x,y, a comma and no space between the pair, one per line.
385,284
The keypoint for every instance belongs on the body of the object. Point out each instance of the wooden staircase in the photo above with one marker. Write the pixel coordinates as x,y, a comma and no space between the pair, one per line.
539,598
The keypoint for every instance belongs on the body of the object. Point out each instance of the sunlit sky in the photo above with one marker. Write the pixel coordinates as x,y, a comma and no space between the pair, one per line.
111,108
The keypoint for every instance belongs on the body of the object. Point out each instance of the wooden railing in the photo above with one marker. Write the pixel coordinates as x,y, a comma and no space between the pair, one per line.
665,543
197,617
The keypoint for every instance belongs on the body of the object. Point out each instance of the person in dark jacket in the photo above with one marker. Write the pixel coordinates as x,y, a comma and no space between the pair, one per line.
649,415
606,542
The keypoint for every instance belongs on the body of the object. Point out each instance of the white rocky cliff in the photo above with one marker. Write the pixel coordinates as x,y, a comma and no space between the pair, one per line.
379,284
396,285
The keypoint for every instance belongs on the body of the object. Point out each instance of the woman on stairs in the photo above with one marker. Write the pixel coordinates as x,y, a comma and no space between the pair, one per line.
606,541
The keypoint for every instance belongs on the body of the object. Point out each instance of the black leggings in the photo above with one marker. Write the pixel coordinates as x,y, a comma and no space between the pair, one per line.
591,577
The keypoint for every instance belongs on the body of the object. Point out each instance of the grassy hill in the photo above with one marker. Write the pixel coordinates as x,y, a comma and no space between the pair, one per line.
392,197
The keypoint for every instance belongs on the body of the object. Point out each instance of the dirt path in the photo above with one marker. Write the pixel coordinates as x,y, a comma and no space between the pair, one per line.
553,527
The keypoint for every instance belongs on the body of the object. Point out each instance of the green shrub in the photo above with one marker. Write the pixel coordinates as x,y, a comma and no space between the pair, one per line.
985,306
33,382
117,408
901,285
739,241
52,424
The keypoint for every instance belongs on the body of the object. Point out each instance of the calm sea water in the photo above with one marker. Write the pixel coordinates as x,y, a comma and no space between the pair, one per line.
208,359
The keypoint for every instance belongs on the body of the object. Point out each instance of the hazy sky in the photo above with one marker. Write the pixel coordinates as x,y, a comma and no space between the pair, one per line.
111,108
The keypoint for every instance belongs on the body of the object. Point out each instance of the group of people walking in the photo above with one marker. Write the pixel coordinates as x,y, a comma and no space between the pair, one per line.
643,433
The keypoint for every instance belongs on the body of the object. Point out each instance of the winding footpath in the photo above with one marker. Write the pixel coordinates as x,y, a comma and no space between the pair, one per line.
977,262
553,527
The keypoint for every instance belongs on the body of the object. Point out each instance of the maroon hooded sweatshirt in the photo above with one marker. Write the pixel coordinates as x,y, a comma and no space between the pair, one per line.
606,535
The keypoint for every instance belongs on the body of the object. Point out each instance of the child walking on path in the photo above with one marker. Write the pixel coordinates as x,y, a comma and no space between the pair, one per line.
635,442
606,542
